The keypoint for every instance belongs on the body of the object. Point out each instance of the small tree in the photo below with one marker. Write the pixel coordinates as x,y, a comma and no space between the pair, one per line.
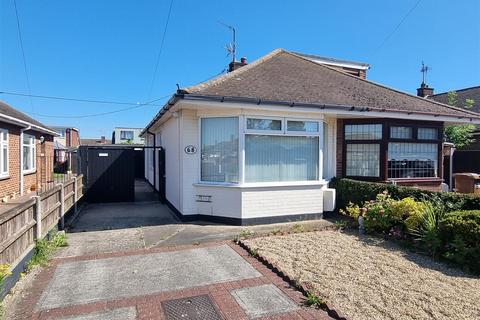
460,135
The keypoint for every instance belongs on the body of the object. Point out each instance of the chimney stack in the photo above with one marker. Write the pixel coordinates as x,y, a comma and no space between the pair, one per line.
234,65
424,90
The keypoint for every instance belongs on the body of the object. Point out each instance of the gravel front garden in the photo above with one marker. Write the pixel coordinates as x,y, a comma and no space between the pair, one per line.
369,278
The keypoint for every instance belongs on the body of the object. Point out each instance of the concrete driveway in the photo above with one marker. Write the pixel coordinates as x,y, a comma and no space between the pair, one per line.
138,261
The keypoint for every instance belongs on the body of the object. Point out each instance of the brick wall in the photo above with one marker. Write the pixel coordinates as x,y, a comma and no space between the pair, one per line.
44,153
75,140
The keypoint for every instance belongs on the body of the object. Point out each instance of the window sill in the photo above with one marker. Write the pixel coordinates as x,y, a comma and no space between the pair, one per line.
263,185
4,177
28,172
433,179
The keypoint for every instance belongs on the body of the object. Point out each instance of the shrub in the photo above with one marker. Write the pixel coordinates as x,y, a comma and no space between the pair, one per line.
358,192
384,213
460,234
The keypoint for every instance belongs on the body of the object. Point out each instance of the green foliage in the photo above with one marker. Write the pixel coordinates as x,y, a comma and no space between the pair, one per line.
254,252
461,135
428,230
357,192
385,213
469,103
44,248
452,98
314,300
2,310
341,224
460,234
298,228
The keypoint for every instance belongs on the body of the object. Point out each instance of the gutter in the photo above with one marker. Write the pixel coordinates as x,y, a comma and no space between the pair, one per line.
28,124
21,158
182,94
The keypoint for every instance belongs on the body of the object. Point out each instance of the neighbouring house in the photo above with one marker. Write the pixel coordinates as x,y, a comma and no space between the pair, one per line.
260,143
65,146
95,142
463,95
122,135
26,153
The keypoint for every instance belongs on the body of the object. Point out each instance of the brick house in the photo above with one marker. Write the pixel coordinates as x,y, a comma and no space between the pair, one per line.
26,153
261,143
64,145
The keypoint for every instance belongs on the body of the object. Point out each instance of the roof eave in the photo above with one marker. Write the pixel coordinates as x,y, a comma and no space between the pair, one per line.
25,124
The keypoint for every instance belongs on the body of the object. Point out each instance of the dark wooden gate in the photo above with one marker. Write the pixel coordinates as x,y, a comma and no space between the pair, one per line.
161,175
110,174
139,163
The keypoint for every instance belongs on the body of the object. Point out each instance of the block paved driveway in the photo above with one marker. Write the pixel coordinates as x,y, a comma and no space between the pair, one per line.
151,266
221,277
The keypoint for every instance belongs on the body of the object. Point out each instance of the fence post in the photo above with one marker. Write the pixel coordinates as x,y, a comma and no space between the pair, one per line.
38,217
62,206
74,195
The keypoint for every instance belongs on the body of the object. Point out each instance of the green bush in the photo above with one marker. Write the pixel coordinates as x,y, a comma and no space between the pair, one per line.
460,234
358,192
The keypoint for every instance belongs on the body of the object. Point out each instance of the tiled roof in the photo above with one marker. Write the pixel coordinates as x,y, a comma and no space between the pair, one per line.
9,111
462,95
287,77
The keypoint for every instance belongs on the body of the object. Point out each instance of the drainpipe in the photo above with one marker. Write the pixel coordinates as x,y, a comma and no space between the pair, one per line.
21,158
154,164
452,150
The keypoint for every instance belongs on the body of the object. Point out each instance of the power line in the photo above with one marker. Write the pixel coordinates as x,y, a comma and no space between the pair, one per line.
396,28
160,50
102,113
74,99
23,53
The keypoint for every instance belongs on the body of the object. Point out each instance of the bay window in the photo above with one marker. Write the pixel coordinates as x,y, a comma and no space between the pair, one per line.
29,155
363,150
391,149
274,149
412,160
3,153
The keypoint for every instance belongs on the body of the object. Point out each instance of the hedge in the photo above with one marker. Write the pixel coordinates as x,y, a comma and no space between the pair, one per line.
460,235
358,192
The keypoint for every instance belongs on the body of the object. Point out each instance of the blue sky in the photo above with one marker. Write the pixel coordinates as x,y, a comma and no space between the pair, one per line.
106,50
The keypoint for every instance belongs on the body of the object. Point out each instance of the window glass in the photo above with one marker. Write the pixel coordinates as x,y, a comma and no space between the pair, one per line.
29,156
303,126
427,133
272,158
126,135
264,124
363,160
219,150
401,132
3,152
412,160
363,131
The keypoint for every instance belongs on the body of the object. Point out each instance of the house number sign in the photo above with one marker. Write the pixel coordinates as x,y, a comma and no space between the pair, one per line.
190,149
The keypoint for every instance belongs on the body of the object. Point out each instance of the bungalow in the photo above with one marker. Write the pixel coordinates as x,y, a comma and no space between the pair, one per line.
260,143
26,153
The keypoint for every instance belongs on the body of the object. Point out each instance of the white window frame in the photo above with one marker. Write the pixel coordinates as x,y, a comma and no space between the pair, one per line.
239,152
266,132
4,172
283,132
33,160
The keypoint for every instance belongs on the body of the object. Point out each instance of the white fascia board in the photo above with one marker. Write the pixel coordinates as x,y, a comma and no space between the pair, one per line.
26,124
363,114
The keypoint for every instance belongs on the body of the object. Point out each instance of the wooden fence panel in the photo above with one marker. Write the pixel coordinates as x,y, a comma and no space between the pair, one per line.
16,231
18,225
